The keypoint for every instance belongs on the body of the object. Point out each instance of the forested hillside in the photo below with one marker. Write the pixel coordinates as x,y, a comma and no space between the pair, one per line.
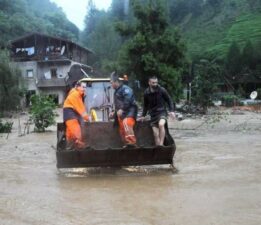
211,26
220,39
18,17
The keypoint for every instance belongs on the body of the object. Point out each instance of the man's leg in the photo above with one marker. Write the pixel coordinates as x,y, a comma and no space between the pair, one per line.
162,131
128,125
156,135
74,133
121,130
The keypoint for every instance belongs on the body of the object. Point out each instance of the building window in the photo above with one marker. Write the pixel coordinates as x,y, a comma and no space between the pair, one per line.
29,73
54,73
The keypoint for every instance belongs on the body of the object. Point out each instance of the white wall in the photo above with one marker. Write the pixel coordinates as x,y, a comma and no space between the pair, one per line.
30,83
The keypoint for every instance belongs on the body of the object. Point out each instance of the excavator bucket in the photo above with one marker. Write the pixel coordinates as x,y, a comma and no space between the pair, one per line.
103,139
105,147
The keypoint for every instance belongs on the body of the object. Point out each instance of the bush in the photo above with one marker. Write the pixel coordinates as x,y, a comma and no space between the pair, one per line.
230,100
241,92
42,112
5,127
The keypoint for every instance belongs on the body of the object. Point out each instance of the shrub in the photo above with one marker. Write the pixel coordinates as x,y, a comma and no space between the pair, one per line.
5,127
42,112
230,100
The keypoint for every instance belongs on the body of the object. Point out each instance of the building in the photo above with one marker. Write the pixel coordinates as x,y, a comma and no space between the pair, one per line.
45,63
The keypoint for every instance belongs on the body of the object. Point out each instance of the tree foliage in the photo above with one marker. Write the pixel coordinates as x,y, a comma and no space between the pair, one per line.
233,60
249,56
245,61
119,9
18,17
90,20
153,47
42,112
10,92
100,35
180,9
5,127
206,75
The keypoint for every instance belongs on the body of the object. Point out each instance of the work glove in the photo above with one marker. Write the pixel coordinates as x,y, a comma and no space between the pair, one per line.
86,118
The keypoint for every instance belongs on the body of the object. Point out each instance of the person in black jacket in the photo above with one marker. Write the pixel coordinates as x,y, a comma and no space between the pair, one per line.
125,110
155,100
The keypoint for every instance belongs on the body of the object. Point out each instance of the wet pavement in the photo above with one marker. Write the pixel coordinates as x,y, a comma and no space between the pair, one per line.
217,181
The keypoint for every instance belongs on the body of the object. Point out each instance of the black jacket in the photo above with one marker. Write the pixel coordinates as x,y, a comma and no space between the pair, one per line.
155,102
124,99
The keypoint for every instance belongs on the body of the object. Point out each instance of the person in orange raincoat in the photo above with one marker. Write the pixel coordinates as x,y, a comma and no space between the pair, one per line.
125,111
74,113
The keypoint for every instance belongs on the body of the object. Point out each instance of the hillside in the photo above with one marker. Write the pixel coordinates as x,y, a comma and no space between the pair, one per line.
210,26
18,17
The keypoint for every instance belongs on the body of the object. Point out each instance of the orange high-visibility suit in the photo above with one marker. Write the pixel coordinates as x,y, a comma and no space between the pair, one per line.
73,113
126,130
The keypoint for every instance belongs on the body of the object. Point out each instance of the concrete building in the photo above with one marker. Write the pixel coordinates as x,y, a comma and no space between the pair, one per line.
45,63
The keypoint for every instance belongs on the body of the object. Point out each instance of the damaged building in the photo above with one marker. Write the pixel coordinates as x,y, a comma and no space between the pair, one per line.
46,63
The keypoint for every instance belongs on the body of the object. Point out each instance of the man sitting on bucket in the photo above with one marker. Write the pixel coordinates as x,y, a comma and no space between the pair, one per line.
125,110
155,100
74,113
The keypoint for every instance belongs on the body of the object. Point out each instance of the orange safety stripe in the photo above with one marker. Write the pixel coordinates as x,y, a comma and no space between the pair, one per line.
126,130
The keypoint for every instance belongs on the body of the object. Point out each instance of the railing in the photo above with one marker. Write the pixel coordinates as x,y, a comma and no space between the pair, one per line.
40,57
54,82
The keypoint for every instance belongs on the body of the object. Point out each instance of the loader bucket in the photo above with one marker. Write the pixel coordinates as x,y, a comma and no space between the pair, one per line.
106,147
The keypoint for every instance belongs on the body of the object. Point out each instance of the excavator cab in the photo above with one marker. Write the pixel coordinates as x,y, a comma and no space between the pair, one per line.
105,145
99,98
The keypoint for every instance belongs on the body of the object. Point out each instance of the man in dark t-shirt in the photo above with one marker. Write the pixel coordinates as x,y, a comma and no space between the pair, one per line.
155,100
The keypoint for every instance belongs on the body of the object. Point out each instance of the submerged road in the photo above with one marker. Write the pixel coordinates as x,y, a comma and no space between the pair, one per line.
218,181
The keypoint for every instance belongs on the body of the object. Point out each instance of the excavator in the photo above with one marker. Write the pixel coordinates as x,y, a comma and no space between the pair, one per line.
105,146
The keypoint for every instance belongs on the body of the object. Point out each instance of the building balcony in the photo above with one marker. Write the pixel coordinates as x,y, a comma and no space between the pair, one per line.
51,57
54,82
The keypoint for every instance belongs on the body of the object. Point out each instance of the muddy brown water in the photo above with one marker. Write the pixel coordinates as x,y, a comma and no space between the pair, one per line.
217,181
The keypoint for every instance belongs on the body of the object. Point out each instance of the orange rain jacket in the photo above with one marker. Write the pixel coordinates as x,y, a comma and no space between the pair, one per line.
73,107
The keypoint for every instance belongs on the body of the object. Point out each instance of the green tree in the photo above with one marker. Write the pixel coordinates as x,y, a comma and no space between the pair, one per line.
61,27
233,60
153,47
119,9
103,40
248,56
10,93
100,36
90,19
254,5
205,78
42,112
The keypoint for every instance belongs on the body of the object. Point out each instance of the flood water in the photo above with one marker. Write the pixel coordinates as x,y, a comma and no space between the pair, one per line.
217,181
